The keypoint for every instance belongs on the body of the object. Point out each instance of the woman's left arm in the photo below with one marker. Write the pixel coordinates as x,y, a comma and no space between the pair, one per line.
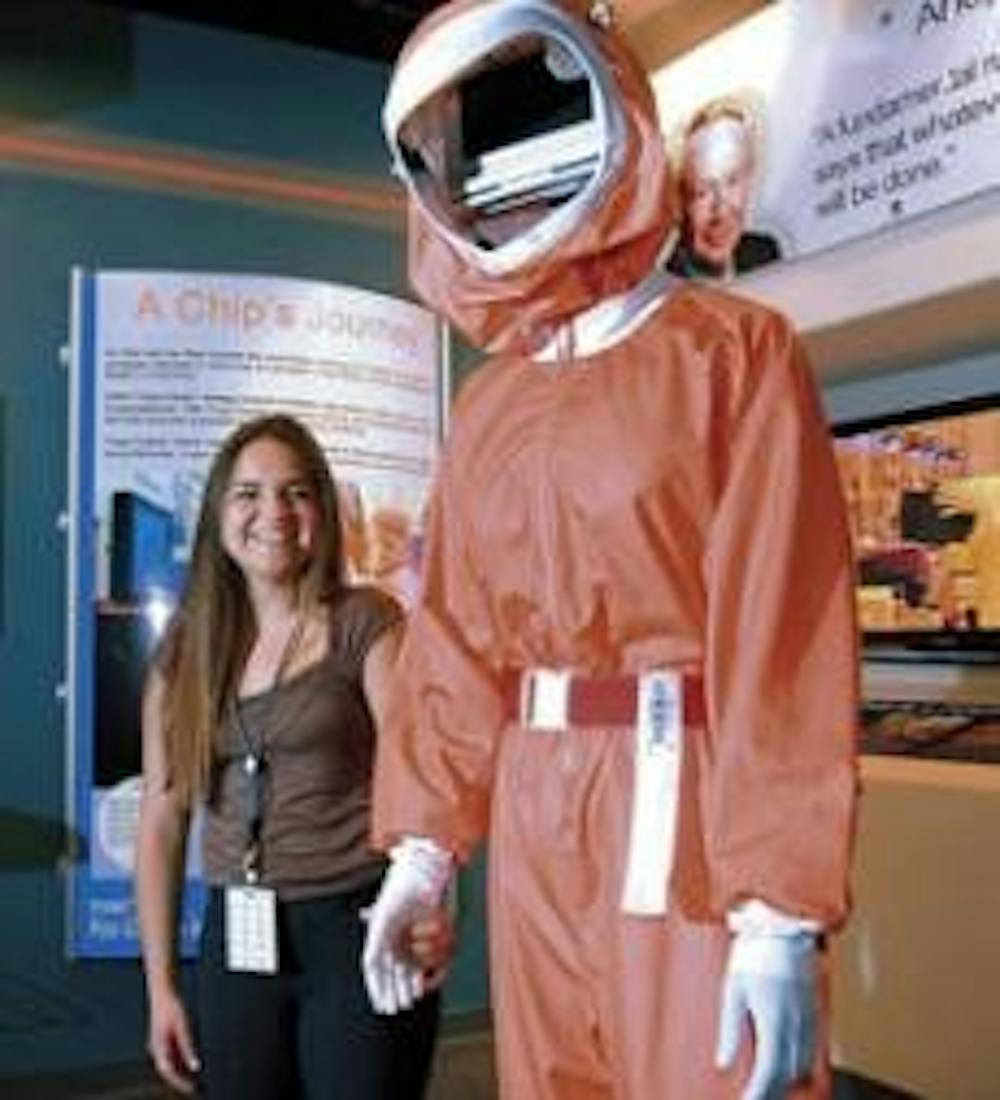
377,671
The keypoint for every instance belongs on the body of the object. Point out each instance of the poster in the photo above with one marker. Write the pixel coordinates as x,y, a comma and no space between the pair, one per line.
165,364
830,120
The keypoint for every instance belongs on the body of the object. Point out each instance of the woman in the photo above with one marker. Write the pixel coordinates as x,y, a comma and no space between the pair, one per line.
261,705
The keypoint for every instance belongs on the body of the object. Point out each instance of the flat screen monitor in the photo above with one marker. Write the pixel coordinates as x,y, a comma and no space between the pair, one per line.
125,642
923,496
142,549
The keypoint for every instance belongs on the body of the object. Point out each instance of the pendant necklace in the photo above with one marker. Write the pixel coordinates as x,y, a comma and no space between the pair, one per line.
255,759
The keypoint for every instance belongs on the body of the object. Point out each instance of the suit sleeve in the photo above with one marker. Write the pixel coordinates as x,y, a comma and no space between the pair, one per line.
781,666
435,757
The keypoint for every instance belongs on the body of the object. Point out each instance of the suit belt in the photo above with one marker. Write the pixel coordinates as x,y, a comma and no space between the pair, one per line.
554,699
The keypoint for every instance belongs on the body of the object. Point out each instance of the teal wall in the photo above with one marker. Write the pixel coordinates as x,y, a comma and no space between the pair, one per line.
141,83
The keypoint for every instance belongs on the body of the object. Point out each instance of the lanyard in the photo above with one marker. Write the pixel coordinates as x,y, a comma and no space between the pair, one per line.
256,763
254,766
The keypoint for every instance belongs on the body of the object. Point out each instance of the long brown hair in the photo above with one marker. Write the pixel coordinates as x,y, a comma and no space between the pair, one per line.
211,635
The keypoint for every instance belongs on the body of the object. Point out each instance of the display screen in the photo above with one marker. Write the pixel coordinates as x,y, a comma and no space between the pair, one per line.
125,641
923,496
142,544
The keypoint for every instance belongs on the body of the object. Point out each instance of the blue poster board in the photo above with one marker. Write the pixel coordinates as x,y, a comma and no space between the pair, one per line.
112,635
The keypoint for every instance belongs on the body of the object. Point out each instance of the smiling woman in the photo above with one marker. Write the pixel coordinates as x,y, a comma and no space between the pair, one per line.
270,516
263,706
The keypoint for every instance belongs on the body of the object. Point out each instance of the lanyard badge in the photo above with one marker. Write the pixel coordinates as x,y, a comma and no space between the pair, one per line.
251,930
251,909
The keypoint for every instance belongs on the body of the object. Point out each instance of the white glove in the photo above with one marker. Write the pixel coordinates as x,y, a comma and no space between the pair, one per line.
771,978
418,875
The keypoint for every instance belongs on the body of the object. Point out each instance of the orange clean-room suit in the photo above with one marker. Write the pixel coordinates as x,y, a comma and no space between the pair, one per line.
668,501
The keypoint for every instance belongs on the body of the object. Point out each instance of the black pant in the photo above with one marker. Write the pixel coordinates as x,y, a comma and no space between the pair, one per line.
307,1032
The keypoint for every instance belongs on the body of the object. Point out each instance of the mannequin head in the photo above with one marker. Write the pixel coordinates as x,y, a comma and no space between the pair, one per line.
527,137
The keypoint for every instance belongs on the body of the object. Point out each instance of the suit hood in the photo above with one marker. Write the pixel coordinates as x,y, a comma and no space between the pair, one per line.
599,242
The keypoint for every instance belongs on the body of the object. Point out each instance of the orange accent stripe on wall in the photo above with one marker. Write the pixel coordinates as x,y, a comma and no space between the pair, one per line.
180,170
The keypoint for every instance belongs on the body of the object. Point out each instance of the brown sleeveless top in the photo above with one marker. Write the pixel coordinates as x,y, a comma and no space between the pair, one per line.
319,739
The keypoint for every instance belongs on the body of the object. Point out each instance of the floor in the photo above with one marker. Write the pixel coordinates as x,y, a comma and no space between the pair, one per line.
463,1071
464,1066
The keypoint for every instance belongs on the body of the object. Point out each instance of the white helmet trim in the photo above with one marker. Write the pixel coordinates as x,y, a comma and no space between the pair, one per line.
454,47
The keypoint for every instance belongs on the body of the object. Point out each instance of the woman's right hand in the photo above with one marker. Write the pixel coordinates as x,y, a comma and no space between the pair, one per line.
170,1044
430,943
